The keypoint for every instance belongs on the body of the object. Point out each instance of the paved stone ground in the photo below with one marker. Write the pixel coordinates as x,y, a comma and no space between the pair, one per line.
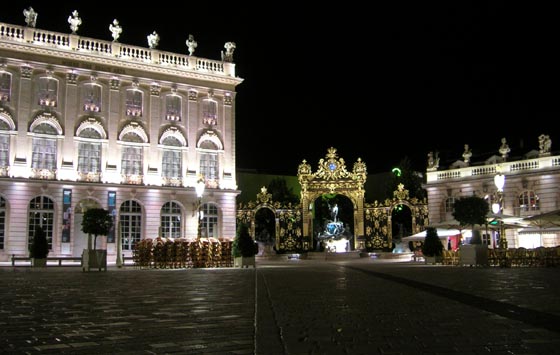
281,307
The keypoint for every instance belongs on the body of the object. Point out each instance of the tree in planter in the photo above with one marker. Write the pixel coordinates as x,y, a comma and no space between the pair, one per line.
243,244
471,210
96,221
39,248
432,245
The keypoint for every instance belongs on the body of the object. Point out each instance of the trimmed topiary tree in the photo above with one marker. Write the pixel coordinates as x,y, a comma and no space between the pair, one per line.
39,247
471,210
432,245
243,244
97,221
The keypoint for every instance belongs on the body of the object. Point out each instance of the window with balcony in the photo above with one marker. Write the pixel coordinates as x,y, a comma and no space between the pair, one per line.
173,108
134,103
130,217
210,112
92,97
2,221
43,154
131,162
209,228
209,166
48,92
170,220
89,157
5,86
172,161
41,213
4,151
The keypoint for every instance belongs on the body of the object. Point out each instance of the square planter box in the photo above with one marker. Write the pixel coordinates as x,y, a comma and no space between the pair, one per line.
473,254
94,259
244,262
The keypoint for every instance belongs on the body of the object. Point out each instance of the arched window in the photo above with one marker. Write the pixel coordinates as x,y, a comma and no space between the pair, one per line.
41,213
4,152
5,86
48,91
44,148
92,97
172,162
130,217
2,221
209,221
170,220
134,103
209,161
173,107
89,152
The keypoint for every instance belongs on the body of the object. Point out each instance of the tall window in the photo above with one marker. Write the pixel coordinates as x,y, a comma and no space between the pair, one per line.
130,216
5,86
2,221
4,150
529,201
44,154
209,221
92,97
173,108
209,161
171,162
134,103
89,152
449,204
41,213
210,112
170,220
131,163
48,91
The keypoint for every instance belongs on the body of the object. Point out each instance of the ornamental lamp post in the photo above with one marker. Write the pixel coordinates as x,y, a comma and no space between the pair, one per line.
498,208
200,185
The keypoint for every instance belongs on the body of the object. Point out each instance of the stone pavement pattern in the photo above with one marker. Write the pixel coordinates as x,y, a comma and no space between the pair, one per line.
281,307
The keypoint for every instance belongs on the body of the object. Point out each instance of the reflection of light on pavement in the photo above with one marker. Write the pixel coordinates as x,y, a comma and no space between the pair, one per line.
337,246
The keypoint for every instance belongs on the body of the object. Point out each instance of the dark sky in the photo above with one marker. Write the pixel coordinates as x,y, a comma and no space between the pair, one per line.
380,82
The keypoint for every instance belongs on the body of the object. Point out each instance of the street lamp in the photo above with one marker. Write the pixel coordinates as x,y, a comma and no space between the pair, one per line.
200,185
498,208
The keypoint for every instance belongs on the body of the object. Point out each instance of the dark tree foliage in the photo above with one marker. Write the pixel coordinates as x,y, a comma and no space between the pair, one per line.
280,191
97,221
432,245
471,210
243,244
411,179
39,248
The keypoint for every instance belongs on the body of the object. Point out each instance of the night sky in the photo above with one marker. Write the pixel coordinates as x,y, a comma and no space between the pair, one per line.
381,82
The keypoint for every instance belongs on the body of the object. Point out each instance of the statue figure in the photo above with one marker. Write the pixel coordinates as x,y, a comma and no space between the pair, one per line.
30,17
334,212
228,55
116,30
467,154
75,21
504,149
433,162
191,44
545,143
153,40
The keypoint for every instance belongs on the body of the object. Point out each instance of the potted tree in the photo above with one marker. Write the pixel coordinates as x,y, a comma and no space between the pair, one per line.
243,249
471,211
39,248
96,221
432,249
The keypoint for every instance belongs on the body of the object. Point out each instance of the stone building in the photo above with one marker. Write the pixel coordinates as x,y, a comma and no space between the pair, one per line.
87,122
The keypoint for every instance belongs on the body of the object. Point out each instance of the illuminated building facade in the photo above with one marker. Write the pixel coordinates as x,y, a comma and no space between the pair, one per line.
93,123
526,208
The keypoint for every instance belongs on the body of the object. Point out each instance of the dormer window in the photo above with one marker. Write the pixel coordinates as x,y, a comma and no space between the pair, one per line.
48,92
134,103
92,98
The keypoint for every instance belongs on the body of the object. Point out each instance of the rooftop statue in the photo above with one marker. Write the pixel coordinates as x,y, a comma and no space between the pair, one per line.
191,44
467,154
30,17
545,143
504,149
433,162
115,29
75,21
228,55
153,40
